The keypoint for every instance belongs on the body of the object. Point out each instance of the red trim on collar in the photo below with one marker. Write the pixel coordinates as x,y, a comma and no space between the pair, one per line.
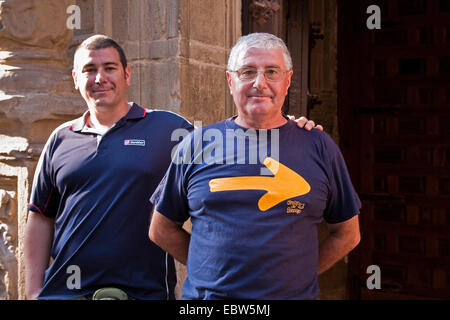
145,112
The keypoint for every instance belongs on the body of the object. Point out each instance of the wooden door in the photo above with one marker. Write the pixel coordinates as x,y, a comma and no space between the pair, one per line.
394,117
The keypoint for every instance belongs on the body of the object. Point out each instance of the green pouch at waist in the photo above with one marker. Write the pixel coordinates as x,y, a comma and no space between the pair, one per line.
109,294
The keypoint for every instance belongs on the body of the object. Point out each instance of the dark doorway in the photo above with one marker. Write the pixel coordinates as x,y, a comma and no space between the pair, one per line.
394,120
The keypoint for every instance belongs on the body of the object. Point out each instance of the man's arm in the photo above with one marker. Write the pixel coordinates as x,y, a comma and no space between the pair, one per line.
342,238
170,236
37,246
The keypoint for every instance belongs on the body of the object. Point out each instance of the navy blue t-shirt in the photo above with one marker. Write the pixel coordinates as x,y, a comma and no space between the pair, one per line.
246,242
96,188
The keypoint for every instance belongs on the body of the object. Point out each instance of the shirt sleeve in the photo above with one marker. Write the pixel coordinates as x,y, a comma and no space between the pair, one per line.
343,201
44,195
170,196
158,191
184,127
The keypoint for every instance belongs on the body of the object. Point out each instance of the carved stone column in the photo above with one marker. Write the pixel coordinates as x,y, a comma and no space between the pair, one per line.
36,94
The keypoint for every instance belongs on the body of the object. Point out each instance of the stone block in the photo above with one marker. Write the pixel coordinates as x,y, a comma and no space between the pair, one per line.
173,14
208,54
31,79
87,16
40,130
135,18
134,90
8,242
203,92
11,127
160,84
120,20
132,50
159,49
10,144
207,21
14,188
153,20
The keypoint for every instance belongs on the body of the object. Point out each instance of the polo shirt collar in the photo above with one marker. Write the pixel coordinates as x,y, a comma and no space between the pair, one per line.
135,112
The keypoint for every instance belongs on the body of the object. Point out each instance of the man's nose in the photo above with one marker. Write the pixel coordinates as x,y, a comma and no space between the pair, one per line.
260,81
100,76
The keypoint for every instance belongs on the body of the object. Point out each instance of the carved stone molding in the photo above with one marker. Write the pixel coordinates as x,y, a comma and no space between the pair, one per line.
263,10
8,245
14,189
35,80
34,24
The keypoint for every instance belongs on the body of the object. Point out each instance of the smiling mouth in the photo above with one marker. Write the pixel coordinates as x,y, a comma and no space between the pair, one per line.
259,97
101,91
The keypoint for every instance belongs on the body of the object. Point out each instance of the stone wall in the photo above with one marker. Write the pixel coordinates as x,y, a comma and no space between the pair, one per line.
177,62
35,96
207,31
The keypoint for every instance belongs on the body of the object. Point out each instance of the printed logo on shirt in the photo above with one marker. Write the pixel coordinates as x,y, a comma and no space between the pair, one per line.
294,207
285,184
134,142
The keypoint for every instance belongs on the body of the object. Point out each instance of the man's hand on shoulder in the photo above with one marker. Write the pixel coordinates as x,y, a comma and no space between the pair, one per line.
306,124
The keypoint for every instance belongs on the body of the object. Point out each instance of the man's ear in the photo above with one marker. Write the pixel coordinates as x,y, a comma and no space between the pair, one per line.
74,76
128,75
229,81
290,73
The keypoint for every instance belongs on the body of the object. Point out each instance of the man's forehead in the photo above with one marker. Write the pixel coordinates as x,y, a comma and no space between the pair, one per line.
261,57
105,55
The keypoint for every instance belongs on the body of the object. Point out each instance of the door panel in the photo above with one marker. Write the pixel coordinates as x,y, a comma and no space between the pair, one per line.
394,88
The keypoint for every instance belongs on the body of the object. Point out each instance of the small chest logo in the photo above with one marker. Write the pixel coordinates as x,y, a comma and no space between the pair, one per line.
134,142
295,207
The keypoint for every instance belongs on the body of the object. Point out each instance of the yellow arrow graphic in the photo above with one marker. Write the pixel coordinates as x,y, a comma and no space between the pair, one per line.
285,184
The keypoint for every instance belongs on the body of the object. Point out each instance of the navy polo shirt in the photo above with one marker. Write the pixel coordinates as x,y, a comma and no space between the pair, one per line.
97,191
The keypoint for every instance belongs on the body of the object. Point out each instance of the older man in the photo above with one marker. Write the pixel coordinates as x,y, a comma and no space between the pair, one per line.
254,223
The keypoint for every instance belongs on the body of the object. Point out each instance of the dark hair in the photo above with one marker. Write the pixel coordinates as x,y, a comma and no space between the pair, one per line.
98,42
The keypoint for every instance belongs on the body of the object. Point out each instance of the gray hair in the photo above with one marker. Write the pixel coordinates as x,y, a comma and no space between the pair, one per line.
258,40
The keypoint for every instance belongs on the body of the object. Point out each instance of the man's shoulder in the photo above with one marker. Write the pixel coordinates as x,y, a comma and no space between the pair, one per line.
168,118
220,125
164,114
59,134
209,129
65,127
313,134
317,141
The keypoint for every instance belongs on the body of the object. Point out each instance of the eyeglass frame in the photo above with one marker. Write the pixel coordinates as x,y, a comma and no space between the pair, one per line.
258,71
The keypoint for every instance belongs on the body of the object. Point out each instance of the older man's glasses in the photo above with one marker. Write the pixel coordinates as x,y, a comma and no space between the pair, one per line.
250,74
